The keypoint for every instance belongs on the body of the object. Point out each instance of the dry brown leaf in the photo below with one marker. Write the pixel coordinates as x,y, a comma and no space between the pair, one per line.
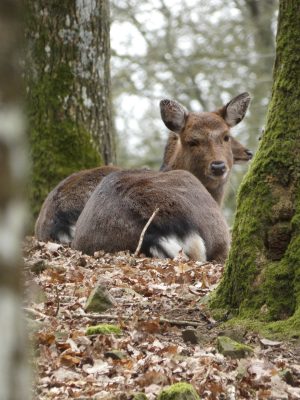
46,338
155,354
68,360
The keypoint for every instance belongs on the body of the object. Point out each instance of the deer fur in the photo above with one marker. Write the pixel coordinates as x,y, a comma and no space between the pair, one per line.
63,205
188,192
121,205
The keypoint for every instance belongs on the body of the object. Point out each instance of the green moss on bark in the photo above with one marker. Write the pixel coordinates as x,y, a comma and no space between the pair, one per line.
60,140
262,276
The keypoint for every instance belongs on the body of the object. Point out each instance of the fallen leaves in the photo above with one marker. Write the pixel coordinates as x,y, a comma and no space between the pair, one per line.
154,302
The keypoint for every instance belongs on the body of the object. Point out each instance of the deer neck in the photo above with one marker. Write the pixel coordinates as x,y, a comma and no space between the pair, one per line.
173,161
218,194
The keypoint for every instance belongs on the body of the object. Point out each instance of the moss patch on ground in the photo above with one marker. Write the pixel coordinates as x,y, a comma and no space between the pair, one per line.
280,330
231,348
179,391
104,329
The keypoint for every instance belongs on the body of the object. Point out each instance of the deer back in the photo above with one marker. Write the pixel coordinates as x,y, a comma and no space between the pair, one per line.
188,217
63,205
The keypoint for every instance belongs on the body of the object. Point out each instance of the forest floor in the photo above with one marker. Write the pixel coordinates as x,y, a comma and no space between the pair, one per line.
167,335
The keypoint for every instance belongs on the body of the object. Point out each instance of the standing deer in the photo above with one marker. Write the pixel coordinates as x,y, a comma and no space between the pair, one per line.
64,204
188,191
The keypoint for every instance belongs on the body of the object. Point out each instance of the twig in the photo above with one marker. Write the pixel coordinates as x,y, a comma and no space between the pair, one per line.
180,323
144,231
161,320
35,313
96,316
58,301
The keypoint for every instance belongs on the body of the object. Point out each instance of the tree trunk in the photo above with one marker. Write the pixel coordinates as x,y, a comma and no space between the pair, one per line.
260,20
262,276
68,85
14,377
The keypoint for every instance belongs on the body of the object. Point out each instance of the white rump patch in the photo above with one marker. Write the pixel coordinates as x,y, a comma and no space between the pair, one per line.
193,246
155,252
72,231
65,238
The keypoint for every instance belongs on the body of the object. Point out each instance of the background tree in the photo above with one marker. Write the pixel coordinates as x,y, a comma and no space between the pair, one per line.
198,52
14,377
68,84
262,277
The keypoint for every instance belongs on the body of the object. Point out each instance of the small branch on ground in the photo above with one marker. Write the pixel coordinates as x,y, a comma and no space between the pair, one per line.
58,301
34,313
179,323
96,316
143,232
161,320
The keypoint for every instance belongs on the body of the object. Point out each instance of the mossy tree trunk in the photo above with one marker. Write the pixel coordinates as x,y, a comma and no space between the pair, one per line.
262,275
68,86
14,377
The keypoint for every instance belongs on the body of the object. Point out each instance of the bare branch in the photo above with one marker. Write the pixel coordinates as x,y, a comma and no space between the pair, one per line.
144,231
162,320
34,313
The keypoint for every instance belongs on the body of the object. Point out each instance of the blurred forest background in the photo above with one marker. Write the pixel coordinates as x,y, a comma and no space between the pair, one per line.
201,53
94,82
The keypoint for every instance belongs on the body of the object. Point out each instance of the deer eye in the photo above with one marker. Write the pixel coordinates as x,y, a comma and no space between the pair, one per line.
226,138
193,142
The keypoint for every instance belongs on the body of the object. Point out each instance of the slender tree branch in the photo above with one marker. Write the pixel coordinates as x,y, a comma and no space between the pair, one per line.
162,320
144,231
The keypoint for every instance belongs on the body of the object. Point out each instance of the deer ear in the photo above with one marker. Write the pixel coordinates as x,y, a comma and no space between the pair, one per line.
235,110
173,115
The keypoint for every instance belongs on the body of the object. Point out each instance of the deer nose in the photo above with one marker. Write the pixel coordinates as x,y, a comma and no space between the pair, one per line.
218,168
249,154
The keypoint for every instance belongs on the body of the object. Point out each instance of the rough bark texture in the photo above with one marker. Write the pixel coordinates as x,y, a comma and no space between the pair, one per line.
14,382
262,277
68,85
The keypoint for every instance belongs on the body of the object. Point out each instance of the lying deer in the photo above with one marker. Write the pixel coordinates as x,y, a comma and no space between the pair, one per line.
188,192
63,205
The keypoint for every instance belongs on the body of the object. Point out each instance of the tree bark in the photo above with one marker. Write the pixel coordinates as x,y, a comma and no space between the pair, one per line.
262,276
68,85
14,377
259,20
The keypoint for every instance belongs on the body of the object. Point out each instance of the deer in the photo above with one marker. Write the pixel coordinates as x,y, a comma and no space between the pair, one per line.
188,192
63,205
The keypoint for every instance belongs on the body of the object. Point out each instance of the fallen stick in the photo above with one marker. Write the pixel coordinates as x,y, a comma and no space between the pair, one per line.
161,320
179,323
143,232
34,313
58,301
96,316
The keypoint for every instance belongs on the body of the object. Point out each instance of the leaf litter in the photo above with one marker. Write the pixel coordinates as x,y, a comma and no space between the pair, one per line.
156,304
